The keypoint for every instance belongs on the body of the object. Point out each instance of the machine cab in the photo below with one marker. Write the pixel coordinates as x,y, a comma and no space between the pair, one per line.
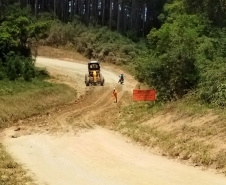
94,65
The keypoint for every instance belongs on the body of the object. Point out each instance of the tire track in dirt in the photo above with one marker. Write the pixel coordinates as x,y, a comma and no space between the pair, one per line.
57,150
92,99
87,113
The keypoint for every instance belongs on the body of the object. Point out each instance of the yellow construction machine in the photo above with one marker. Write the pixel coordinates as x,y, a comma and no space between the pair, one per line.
94,76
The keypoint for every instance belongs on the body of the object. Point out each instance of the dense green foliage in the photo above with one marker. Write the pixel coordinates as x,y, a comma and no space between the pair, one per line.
17,27
14,30
215,10
8,87
187,53
135,17
94,42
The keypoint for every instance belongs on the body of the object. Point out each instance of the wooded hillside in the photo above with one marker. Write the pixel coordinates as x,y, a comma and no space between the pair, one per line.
136,16
182,50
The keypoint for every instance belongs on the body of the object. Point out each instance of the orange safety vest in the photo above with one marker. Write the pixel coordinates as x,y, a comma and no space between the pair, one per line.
115,93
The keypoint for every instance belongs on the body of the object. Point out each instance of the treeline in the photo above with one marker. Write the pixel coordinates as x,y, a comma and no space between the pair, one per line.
17,29
126,16
188,52
96,43
184,52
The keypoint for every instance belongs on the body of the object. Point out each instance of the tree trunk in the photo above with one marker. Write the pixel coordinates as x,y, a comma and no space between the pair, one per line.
62,9
87,11
81,9
118,16
132,14
54,9
76,7
95,9
115,14
43,6
66,10
71,10
123,16
143,19
36,6
1,10
103,12
110,16
148,18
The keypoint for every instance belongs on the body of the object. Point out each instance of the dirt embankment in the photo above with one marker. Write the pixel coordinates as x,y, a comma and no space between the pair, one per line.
66,146
192,137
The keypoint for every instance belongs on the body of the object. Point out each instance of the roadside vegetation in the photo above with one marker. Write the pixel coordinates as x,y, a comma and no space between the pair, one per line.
190,133
185,61
24,90
21,99
186,65
183,58
11,173
185,54
95,42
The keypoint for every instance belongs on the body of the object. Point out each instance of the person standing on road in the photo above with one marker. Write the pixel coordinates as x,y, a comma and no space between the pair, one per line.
121,78
115,95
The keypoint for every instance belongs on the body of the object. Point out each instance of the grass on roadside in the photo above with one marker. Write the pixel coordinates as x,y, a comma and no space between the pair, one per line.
10,172
20,99
184,140
191,105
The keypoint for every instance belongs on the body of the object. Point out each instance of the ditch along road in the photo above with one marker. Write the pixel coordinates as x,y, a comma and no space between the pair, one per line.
72,145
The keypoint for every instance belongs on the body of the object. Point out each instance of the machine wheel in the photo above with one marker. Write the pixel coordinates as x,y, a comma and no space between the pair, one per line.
86,80
101,80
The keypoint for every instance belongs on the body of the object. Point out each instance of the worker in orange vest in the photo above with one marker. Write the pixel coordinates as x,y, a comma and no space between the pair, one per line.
115,95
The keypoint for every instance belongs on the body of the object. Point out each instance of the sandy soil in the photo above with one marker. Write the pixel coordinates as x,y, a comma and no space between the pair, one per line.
67,147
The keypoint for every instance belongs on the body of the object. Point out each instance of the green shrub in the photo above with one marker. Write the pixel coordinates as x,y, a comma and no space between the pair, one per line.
18,66
2,75
2,71
94,42
14,67
29,69
187,54
172,70
211,88
41,73
219,97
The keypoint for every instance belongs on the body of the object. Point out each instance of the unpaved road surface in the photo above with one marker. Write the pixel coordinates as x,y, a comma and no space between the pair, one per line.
74,73
100,157
93,155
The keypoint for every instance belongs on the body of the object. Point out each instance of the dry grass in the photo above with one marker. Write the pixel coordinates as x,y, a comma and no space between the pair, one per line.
20,100
10,172
60,53
199,138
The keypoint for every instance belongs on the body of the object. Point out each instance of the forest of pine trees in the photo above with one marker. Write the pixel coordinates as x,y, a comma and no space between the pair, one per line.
136,16
175,46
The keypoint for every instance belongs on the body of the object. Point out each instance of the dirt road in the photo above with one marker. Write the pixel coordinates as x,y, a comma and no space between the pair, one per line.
93,155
